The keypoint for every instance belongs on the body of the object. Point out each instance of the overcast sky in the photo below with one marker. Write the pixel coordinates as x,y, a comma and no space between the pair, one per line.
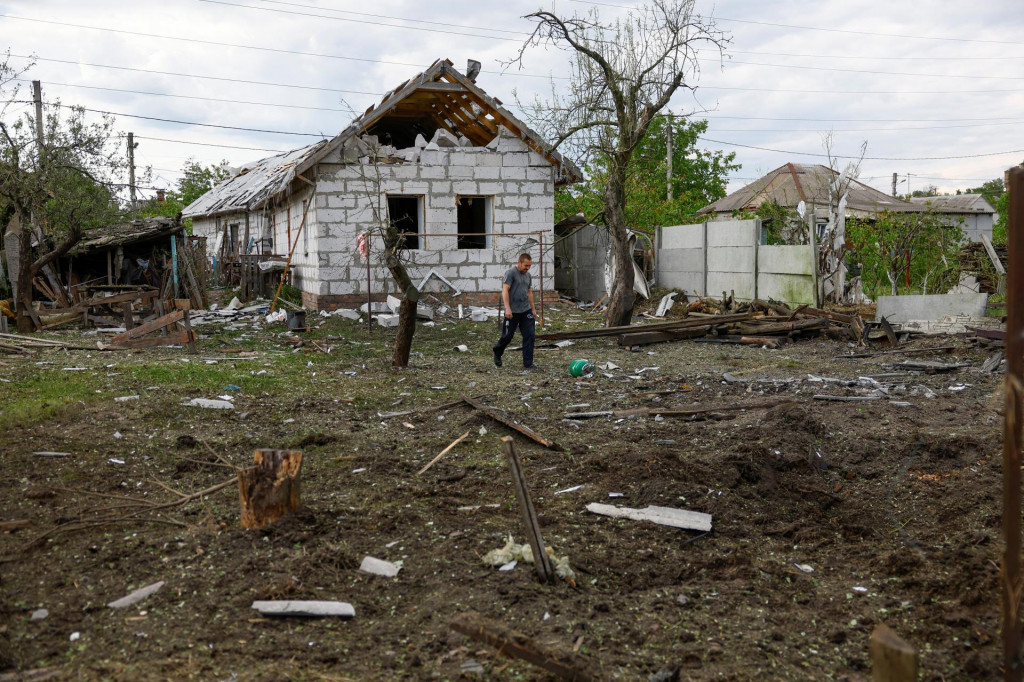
916,80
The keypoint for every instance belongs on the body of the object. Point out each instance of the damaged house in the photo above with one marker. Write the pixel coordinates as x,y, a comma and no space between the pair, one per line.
468,184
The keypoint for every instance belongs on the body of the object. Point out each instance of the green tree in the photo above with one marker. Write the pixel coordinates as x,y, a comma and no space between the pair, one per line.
896,247
699,177
50,194
622,73
195,181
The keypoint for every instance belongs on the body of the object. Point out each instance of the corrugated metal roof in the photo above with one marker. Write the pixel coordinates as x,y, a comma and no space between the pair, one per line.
958,203
790,184
253,185
478,113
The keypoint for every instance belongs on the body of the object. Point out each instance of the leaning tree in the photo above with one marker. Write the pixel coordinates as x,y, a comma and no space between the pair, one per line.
623,72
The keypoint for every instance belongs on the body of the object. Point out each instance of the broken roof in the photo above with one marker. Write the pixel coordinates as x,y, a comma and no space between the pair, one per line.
957,203
790,184
111,236
438,98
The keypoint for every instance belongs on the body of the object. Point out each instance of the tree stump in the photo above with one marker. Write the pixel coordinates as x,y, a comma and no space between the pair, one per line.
270,489
892,659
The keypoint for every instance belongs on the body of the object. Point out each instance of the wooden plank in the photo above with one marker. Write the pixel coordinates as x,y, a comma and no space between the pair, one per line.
497,416
517,645
150,327
759,328
178,338
6,526
438,86
191,343
686,323
892,659
992,255
890,333
644,338
672,412
835,317
541,560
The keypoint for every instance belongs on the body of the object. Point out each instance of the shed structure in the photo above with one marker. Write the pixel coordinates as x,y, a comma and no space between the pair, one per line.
972,212
468,184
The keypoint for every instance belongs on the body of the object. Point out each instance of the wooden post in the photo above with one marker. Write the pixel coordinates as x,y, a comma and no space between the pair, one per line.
129,319
541,560
1013,435
892,659
270,489
191,343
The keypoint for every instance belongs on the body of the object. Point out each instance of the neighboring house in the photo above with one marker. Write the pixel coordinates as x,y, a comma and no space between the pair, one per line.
469,184
792,183
972,212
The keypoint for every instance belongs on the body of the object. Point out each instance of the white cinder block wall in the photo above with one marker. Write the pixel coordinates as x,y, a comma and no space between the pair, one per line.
351,199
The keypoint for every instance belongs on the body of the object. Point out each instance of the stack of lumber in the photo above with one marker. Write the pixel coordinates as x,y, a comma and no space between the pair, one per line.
760,325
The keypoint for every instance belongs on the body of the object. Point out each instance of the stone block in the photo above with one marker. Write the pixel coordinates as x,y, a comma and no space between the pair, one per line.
455,257
537,215
433,172
386,320
466,187
516,201
534,188
431,157
491,188
461,172
541,201
515,159
441,189
543,173
513,172
488,158
507,215
487,172
425,257
471,272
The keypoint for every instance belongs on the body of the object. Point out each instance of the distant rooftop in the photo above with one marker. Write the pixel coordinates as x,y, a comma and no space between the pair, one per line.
957,203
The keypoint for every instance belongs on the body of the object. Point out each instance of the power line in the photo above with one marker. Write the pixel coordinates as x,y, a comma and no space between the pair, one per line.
188,123
828,30
260,48
859,130
384,16
204,99
361,21
210,144
877,73
192,75
865,120
873,57
857,92
864,158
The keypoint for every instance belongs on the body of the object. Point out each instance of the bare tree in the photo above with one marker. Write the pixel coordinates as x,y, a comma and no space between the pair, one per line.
832,253
622,73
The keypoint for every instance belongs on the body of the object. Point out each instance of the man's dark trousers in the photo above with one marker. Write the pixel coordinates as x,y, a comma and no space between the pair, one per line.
525,323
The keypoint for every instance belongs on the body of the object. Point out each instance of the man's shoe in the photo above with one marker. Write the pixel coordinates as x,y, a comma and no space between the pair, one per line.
533,368
497,359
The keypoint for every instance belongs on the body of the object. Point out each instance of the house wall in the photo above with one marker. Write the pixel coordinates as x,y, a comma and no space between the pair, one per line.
351,199
584,262
716,256
973,224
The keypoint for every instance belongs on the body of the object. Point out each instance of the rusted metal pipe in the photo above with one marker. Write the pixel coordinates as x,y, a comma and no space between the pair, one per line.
1012,429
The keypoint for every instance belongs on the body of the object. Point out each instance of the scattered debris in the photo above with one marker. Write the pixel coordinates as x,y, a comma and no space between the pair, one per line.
51,454
516,645
445,452
136,596
305,608
211,404
40,614
380,567
665,516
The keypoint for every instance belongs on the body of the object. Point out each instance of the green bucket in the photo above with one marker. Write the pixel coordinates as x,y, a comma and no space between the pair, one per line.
578,368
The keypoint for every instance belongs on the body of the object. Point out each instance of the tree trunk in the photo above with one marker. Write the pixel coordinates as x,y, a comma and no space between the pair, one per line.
25,323
406,312
622,296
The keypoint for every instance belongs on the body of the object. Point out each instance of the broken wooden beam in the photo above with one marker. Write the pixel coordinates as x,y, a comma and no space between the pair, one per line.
759,328
501,418
545,569
673,412
684,323
270,489
902,351
847,398
642,338
517,645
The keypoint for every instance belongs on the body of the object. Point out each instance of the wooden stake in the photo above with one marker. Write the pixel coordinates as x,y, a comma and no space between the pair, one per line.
521,428
516,645
443,453
892,659
270,489
541,560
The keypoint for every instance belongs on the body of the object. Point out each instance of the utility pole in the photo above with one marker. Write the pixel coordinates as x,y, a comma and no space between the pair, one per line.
131,170
668,156
37,97
894,184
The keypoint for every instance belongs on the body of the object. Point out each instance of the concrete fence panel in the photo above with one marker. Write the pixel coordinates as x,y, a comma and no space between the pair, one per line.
680,259
786,273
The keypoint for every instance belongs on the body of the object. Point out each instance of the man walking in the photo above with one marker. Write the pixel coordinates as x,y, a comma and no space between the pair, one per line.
517,298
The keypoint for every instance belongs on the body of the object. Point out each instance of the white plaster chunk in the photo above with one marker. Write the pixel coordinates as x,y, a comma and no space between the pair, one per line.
665,516
386,320
210,404
420,142
305,608
136,596
442,138
379,567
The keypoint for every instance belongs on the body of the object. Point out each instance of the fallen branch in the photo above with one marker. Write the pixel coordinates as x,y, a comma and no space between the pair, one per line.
497,416
443,453
516,645
671,412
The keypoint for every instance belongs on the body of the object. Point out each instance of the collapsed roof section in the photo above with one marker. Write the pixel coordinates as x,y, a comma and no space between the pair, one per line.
790,184
112,236
440,98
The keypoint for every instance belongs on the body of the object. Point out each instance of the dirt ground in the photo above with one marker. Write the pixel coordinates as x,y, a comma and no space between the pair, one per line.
829,517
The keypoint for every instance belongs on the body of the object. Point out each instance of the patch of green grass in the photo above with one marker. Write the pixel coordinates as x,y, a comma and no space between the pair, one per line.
47,395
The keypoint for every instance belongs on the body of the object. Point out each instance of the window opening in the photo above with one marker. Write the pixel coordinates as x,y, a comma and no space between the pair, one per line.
404,214
473,222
